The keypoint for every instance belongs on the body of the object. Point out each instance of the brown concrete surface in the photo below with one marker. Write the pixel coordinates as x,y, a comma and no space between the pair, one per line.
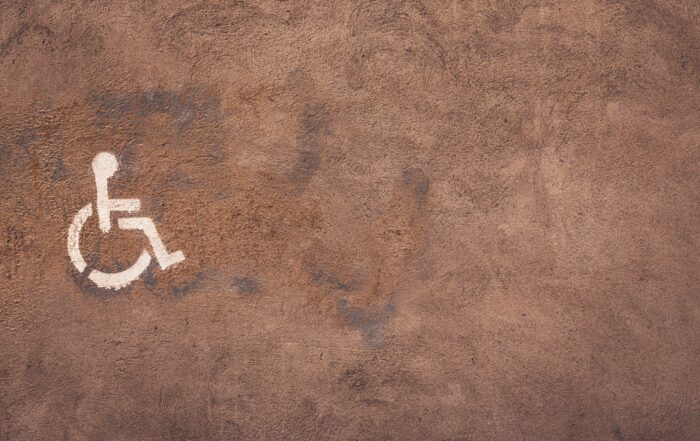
402,220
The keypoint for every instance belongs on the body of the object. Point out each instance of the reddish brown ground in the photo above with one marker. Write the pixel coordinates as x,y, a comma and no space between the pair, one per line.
402,220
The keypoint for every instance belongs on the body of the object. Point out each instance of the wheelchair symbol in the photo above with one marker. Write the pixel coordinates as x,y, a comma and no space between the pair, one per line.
104,166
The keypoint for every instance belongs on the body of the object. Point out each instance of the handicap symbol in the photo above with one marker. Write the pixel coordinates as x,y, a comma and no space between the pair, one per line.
104,166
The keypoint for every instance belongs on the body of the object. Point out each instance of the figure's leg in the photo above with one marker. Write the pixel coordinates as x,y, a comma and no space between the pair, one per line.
125,205
146,224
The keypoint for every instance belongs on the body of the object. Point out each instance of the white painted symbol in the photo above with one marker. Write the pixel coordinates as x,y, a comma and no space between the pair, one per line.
104,166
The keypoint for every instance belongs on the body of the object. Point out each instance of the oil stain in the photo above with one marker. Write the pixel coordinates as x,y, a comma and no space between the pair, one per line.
371,324
189,286
183,108
245,285
118,105
315,123
418,182
330,280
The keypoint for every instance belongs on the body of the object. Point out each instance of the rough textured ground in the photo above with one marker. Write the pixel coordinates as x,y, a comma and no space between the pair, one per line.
403,220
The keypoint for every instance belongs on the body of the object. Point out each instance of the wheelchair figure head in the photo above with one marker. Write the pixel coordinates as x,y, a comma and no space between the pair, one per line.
105,165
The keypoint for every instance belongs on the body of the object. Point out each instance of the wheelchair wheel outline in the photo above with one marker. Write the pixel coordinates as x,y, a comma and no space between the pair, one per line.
101,279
